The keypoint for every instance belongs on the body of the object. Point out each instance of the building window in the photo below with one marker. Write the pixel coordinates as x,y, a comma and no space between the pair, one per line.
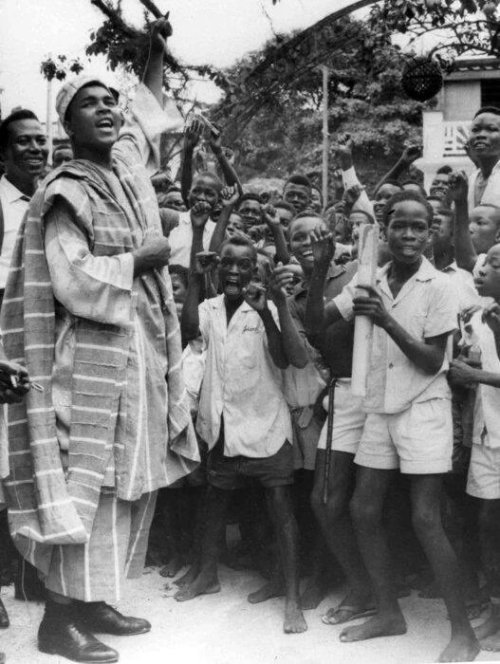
490,92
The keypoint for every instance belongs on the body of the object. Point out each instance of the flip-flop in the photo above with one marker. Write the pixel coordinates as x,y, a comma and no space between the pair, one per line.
332,616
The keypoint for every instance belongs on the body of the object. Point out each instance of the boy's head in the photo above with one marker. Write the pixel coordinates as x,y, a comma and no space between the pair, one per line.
179,277
235,225
316,203
250,210
356,219
407,218
61,154
238,262
488,278
484,227
382,195
414,185
297,192
485,133
286,213
440,184
300,236
173,199
205,188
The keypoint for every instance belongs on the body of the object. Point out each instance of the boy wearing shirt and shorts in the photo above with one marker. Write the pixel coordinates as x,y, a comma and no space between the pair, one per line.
408,424
484,471
243,416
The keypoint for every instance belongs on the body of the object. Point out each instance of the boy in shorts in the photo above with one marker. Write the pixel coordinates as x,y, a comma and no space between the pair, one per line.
243,415
408,424
484,471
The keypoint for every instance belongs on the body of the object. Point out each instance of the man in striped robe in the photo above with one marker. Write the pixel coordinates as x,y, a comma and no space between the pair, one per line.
89,310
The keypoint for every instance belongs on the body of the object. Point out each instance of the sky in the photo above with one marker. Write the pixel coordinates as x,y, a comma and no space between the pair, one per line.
216,32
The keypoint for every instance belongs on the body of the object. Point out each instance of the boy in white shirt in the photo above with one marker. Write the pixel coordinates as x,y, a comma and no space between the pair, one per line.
243,415
484,471
408,424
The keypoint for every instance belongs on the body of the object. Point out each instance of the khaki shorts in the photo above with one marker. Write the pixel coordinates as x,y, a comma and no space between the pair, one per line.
418,441
348,419
484,473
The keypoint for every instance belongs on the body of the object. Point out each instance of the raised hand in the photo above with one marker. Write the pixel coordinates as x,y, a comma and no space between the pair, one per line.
229,196
323,247
371,305
193,132
200,213
255,295
161,30
205,262
458,186
270,216
410,153
352,194
343,151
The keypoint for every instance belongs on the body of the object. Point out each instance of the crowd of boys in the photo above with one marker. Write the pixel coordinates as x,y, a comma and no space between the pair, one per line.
219,389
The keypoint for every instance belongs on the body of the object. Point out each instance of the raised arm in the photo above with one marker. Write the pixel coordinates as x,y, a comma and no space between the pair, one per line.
344,150
465,253
255,295
409,155
229,198
161,30
192,136
318,316
273,222
293,344
230,176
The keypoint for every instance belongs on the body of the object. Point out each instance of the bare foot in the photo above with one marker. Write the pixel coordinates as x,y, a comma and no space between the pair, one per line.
491,643
268,591
188,578
461,648
294,619
489,627
204,584
314,593
379,625
173,567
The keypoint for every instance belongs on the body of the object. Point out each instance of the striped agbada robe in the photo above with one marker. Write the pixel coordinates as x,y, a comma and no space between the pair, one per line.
87,455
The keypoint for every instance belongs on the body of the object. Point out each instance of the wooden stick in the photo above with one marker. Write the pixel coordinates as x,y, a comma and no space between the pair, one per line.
329,435
363,325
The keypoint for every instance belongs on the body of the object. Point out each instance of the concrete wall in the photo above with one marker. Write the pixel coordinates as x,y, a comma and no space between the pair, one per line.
461,99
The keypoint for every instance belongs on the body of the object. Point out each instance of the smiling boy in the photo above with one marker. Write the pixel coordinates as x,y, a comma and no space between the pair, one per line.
408,424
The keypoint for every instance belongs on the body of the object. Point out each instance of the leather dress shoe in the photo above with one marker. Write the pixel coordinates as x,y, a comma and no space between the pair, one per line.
102,618
4,616
60,633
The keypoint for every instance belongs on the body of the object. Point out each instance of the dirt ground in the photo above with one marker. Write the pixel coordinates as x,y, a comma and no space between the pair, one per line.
226,629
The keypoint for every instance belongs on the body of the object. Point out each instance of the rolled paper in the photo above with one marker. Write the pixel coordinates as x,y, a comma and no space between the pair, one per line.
363,325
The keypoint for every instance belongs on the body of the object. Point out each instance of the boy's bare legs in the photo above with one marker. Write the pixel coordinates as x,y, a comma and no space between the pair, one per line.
206,581
281,511
426,518
488,632
335,522
366,510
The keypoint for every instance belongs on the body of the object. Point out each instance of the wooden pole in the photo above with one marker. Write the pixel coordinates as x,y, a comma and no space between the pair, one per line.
326,142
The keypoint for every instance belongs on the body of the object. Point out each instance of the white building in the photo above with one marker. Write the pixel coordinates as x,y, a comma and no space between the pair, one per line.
474,82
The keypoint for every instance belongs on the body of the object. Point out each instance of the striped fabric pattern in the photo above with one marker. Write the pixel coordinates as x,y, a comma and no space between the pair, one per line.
45,505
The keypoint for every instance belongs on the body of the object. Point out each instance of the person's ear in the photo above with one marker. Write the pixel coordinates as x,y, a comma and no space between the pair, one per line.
497,235
122,118
67,128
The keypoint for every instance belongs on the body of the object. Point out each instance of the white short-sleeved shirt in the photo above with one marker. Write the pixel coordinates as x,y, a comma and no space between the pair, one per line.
425,307
14,206
486,427
491,193
463,283
181,239
241,383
